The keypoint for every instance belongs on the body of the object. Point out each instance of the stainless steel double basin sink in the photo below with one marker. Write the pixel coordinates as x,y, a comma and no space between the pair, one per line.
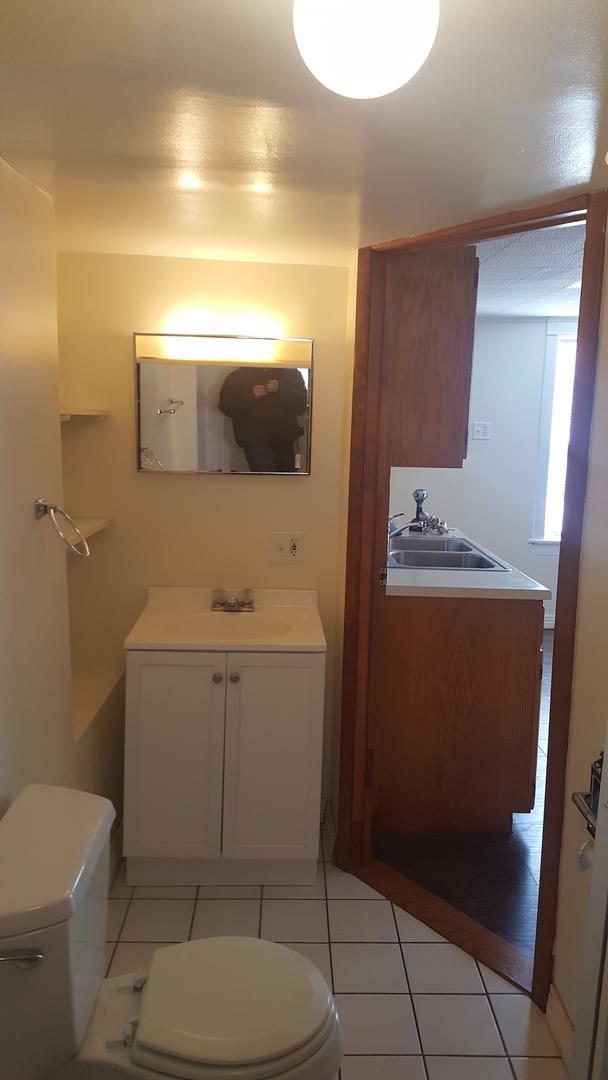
438,553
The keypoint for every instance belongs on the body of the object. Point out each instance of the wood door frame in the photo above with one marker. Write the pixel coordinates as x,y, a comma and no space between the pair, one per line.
353,844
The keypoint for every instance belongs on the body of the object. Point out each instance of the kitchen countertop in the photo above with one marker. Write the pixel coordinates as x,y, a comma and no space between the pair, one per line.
509,584
284,620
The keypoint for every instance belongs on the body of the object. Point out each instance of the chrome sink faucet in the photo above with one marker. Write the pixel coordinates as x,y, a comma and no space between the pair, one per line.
421,522
224,601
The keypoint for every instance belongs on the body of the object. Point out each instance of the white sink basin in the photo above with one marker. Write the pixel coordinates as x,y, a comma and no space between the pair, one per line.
180,618
228,626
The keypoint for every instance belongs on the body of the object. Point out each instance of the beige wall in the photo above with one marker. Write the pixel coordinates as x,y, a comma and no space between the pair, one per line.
36,741
196,530
590,690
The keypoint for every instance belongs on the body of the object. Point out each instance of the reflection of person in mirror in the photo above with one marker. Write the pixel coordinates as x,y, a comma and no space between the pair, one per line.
264,404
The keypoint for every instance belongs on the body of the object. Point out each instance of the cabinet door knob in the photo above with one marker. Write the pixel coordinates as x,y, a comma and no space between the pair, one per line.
217,676
235,677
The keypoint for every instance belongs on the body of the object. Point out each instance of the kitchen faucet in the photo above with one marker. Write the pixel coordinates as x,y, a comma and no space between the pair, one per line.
421,522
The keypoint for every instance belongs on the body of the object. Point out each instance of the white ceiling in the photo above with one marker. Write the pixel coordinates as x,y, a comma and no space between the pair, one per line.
530,273
104,102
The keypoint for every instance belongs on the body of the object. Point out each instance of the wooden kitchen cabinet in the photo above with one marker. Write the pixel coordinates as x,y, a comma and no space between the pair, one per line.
428,326
223,755
456,695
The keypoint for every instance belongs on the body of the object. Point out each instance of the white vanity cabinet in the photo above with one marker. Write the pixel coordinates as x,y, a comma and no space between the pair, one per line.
272,764
222,760
174,751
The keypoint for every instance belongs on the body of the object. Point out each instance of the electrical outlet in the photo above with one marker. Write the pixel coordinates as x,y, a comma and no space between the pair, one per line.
482,429
287,547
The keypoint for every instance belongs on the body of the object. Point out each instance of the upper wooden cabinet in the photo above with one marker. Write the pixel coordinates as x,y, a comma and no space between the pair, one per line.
425,302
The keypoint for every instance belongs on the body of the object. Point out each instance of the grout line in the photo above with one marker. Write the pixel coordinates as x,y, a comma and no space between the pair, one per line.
324,862
119,934
472,1057
329,939
480,973
194,907
110,961
123,920
498,1028
411,996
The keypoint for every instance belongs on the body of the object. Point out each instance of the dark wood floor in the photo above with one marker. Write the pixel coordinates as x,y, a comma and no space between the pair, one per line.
491,877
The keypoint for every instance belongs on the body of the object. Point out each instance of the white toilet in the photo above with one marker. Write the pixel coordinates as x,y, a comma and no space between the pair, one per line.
216,1009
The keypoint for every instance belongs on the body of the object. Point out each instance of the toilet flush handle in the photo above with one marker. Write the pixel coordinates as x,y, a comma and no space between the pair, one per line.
25,959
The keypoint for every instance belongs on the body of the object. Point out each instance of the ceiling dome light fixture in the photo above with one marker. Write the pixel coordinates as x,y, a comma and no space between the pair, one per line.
189,181
365,48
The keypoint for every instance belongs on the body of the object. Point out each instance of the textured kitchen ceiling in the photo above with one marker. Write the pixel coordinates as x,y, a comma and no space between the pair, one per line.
530,273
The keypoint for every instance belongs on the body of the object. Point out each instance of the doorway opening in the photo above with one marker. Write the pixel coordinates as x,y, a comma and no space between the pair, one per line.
416,309
508,497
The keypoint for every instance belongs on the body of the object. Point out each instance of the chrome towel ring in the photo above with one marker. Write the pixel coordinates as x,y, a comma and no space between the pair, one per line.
42,508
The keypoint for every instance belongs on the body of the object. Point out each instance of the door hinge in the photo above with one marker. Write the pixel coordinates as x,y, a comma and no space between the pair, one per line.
382,576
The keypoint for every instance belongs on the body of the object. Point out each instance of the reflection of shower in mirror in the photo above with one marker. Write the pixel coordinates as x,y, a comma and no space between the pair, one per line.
170,412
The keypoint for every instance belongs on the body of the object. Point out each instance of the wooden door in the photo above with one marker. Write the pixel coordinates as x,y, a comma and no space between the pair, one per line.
366,536
416,320
174,747
272,776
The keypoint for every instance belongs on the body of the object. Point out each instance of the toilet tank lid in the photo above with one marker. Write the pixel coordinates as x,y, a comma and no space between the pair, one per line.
50,841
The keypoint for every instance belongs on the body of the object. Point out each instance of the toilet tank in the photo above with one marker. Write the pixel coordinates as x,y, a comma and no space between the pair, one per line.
54,867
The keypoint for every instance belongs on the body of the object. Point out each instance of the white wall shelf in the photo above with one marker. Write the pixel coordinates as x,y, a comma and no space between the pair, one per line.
89,526
83,414
90,690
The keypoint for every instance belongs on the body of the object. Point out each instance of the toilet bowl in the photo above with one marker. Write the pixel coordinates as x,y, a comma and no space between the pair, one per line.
231,1008
228,1008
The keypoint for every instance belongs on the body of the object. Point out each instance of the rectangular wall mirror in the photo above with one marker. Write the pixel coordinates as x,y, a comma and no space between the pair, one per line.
223,404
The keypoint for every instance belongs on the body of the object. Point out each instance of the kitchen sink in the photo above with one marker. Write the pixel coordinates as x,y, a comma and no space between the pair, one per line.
440,559
431,543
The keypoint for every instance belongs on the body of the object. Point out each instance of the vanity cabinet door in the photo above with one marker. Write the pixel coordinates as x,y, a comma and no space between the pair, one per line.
174,744
272,768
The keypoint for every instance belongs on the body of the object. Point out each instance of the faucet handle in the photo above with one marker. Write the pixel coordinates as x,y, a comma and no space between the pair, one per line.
436,524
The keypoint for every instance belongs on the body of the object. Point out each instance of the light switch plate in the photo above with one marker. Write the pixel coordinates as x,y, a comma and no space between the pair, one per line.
287,547
482,429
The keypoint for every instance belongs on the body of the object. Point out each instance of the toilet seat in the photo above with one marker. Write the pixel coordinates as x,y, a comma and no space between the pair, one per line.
235,1007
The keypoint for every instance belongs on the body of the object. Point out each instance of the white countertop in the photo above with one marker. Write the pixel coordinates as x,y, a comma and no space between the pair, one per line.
284,620
509,584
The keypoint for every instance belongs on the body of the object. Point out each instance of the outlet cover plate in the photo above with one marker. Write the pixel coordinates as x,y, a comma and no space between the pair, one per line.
287,547
482,429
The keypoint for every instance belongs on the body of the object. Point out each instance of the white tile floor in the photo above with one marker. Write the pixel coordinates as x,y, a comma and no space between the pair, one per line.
412,1006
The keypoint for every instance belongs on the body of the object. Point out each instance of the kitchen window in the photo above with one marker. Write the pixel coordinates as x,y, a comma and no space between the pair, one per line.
554,429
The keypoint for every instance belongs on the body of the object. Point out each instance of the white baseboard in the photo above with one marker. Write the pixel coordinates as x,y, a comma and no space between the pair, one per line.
144,870
560,1025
